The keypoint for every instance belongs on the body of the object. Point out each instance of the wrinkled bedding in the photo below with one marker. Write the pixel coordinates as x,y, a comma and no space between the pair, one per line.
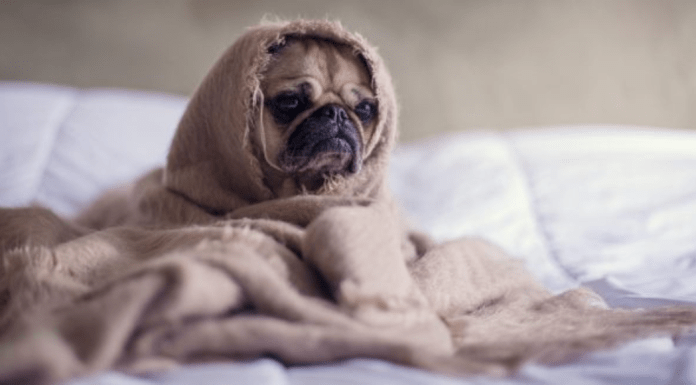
609,207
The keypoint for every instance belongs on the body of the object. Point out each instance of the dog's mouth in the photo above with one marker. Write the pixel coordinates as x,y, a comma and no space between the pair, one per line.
334,154
324,144
337,144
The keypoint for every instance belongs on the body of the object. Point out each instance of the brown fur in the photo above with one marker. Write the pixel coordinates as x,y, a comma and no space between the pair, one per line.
334,75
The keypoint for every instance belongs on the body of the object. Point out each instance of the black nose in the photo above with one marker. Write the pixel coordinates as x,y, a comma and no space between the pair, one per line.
333,112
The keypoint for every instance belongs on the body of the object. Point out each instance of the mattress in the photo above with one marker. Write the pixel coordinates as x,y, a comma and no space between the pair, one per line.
608,207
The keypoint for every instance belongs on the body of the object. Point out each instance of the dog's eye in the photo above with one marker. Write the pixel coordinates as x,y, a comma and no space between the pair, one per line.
286,106
287,102
366,110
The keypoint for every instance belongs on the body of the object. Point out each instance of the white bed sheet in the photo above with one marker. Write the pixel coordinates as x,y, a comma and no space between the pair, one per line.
609,207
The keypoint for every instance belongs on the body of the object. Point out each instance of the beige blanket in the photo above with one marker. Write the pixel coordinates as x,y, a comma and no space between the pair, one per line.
200,262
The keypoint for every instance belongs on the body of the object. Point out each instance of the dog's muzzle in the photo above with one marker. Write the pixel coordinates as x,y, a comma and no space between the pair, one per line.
326,142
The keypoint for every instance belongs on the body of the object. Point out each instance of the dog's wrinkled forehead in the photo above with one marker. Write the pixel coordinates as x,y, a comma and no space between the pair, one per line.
325,67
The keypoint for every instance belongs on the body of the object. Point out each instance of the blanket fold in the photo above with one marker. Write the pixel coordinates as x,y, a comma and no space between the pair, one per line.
200,261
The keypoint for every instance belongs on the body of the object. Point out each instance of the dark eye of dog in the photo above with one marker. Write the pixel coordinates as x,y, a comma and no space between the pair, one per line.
366,110
287,102
286,106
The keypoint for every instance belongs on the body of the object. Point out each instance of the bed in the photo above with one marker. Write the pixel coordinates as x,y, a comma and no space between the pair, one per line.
608,207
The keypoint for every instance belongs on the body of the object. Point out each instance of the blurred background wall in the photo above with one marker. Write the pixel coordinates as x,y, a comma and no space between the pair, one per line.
457,64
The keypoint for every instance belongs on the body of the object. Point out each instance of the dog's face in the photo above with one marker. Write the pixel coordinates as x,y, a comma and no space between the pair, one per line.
319,111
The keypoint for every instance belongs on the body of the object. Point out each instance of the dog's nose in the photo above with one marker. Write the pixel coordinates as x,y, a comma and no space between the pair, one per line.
333,112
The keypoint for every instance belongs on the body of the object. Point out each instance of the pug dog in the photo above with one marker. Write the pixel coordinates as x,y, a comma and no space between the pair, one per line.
319,112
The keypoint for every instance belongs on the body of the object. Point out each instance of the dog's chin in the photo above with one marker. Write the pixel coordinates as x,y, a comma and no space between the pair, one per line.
331,157
333,147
